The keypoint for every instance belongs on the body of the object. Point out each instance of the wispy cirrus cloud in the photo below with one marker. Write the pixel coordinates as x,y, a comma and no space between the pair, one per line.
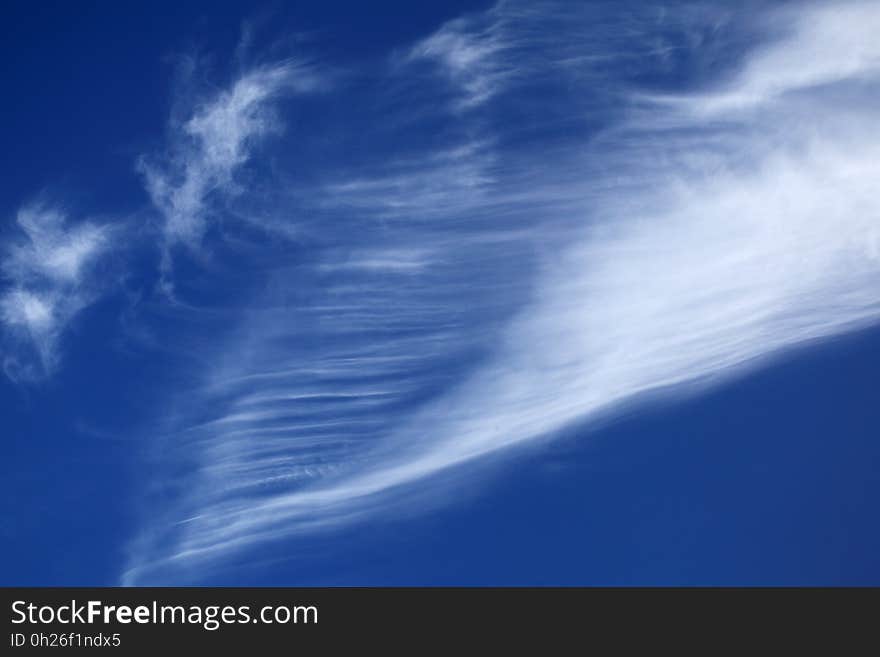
414,187
470,52
49,277
49,271
821,44
546,45
189,182
684,240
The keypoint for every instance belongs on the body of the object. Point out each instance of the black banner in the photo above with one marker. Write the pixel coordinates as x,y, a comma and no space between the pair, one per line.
127,621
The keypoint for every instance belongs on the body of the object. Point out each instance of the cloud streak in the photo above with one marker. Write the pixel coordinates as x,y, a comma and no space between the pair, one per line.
824,45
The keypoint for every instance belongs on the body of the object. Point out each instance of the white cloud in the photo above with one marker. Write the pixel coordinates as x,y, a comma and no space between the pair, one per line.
547,46
417,188
52,250
212,143
48,283
28,309
824,44
470,52
688,247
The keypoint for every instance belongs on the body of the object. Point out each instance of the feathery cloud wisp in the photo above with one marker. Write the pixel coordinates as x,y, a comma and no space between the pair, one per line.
825,44
469,51
48,284
215,141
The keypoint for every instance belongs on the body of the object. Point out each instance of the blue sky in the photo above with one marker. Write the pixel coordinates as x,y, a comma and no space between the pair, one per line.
514,293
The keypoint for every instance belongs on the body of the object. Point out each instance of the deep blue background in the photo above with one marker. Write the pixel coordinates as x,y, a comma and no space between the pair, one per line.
772,479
